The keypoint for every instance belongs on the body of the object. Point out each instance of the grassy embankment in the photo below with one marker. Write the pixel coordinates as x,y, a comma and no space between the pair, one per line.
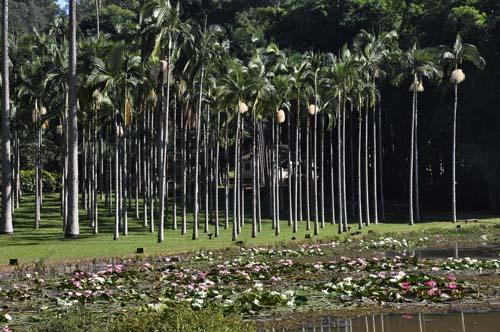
47,244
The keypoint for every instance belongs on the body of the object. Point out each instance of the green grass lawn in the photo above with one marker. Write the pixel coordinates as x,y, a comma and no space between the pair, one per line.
48,243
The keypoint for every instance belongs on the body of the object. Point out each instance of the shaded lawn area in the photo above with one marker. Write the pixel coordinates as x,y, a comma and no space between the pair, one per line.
48,243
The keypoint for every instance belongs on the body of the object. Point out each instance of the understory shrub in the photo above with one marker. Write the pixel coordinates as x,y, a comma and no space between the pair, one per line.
50,181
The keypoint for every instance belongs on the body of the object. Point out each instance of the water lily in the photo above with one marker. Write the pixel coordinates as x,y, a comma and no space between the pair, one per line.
430,283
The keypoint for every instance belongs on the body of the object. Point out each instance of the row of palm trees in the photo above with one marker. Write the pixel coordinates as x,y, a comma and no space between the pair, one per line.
171,119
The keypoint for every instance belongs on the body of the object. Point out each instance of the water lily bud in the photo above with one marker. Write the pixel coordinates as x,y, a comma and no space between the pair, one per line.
457,76
242,107
280,116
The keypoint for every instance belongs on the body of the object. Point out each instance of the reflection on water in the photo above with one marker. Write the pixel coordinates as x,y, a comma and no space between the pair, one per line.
487,251
459,322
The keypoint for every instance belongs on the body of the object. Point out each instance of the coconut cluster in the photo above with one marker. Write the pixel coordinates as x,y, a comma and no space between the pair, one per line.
280,116
457,76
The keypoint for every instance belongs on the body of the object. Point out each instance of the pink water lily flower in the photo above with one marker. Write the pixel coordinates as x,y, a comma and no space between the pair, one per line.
433,291
6,329
452,285
430,283
451,277
405,285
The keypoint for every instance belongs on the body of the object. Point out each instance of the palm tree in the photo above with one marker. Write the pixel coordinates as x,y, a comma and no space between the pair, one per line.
115,75
453,58
72,228
236,91
6,226
417,64
297,76
375,52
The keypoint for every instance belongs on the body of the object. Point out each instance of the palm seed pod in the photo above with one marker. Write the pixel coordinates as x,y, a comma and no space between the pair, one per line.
280,116
34,114
420,87
43,111
119,131
457,76
312,109
154,73
242,107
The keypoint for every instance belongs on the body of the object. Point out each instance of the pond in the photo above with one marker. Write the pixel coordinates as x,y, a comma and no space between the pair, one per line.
453,322
484,251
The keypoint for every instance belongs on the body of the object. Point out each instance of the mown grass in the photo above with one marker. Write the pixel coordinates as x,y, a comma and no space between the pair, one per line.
48,244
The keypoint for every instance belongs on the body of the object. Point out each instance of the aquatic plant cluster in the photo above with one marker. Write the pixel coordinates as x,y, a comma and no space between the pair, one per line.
257,281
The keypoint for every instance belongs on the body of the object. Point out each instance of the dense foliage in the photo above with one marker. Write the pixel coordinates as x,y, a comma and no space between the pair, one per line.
327,25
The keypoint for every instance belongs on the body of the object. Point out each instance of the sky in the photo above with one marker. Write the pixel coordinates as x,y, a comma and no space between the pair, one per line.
62,3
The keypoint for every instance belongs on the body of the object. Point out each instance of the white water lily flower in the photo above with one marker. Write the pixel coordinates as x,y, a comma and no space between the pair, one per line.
258,286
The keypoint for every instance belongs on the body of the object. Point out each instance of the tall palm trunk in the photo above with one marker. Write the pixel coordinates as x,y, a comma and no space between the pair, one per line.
97,5
259,172
124,182
412,154
374,168
322,172
339,165
297,169
174,167
197,159
344,177
360,195
453,160
226,182
235,191
73,226
290,171
315,171
308,176
416,169
6,226
254,175
37,166
164,152
206,166
277,168
332,175
117,179
185,125
216,174
380,158
367,162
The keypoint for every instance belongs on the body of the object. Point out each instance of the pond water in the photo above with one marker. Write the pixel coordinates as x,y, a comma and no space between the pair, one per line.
455,322
486,251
